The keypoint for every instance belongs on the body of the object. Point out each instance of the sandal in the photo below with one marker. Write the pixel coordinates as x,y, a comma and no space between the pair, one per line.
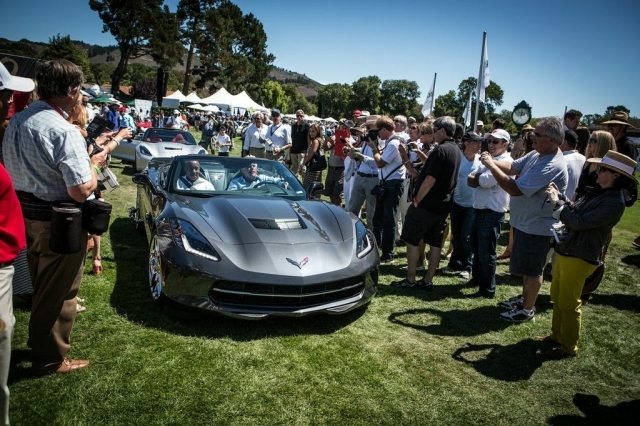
97,265
80,308
79,300
90,244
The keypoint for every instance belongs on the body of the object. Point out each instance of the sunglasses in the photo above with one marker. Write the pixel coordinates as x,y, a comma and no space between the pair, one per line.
496,141
593,141
603,169
299,115
413,128
425,133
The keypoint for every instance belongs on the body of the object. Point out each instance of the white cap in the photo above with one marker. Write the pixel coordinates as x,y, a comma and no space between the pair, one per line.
501,134
175,111
12,82
479,123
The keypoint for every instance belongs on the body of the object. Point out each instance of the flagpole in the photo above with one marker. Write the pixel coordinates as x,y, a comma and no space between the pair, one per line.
433,97
480,76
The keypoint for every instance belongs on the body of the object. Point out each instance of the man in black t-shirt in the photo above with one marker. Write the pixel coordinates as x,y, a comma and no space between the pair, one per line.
299,144
432,199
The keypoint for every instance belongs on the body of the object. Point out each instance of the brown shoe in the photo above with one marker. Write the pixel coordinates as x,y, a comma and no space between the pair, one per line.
66,366
558,353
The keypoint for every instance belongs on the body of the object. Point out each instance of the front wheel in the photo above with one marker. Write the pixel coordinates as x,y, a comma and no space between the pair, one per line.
156,277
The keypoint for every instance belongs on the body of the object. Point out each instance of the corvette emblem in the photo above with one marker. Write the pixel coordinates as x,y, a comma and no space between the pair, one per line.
298,264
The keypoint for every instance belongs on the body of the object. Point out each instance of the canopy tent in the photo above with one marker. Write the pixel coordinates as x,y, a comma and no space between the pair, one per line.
221,97
210,108
105,99
331,120
176,95
196,106
242,100
192,97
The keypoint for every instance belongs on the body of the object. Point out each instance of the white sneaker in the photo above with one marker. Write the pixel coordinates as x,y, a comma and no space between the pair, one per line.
465,275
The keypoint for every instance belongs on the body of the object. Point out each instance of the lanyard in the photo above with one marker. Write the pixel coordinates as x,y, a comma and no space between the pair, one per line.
57,108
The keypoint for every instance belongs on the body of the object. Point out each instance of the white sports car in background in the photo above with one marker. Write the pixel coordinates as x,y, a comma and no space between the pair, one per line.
156,143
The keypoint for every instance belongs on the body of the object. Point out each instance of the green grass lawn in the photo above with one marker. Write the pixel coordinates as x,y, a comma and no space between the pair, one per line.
409,359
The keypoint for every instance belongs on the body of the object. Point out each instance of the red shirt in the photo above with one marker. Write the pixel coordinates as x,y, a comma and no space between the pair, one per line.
12,233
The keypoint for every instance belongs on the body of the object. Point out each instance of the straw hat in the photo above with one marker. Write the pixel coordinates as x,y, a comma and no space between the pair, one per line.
527,127
619,117
620,163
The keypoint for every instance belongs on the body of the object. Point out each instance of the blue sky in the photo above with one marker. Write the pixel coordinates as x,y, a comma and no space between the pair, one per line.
580,54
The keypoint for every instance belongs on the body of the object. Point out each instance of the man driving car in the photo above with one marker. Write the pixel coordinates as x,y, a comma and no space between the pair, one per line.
250,178
191,180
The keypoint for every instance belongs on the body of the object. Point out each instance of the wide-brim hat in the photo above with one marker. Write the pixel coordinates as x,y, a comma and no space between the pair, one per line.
527,127
361,129
618,162
619,117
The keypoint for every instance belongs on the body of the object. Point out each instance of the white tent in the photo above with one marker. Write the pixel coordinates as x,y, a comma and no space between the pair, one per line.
221,97
192,97
211,108
176,95
331,120
196,106
242,100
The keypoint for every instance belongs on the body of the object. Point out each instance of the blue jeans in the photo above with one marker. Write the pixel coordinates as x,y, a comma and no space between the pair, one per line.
461,220
484,239
384,219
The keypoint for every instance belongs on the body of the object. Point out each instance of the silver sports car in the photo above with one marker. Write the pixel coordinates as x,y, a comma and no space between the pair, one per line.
242,237
156,143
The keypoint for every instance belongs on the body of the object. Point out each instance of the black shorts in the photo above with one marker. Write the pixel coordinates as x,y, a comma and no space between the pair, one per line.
529,253
420,224
334,183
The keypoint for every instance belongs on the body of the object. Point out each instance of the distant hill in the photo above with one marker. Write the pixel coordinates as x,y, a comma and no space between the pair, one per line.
111,55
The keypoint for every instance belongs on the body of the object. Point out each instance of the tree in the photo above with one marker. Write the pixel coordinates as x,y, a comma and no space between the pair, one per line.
366,94
493,98
448,104
333,100
102,73
611,109
298,101
133,24
233,50
64,48
398,97
591,119
144,88
274,96
192,16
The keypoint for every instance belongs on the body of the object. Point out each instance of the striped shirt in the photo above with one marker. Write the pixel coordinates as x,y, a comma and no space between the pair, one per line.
44,154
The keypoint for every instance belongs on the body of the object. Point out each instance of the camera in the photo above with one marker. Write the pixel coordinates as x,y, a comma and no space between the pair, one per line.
371,136
97,126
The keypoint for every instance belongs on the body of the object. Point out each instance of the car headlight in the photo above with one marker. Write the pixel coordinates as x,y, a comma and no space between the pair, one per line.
189,239
364,242
144,151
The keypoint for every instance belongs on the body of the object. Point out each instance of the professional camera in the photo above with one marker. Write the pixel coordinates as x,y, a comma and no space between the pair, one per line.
97,126
371,136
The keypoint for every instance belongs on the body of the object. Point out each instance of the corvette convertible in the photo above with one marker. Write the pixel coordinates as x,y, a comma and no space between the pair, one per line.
241,237
156,142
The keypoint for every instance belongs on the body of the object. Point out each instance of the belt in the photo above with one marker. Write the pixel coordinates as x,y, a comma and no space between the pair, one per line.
5,264
253,147
336,168
367,175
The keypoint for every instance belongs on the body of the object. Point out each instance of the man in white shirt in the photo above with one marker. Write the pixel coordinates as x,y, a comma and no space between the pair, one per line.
191,180
575,162
278,137
490,202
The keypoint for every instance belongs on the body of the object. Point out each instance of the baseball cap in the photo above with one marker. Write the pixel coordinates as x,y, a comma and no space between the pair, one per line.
501,134
471,136
275,112
122,109
175,111
12,82
479,123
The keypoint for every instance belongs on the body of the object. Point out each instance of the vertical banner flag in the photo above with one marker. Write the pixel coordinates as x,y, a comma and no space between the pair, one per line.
466,115
484,73
427,108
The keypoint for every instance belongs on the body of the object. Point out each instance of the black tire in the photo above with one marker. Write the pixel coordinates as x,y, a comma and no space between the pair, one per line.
155,278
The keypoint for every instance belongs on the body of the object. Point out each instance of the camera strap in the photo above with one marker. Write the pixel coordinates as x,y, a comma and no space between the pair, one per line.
401,164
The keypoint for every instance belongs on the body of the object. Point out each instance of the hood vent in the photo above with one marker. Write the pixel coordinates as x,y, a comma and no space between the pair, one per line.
280,224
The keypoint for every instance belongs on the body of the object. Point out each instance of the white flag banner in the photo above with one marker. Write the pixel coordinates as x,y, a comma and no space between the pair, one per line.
484,73
466,115
427,108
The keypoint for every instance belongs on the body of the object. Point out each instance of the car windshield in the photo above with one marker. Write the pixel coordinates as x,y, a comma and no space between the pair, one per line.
207,175
168,135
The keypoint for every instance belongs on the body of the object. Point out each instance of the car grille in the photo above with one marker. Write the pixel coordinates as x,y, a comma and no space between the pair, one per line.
285,296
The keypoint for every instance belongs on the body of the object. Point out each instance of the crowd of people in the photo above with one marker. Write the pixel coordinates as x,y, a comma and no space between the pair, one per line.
564,187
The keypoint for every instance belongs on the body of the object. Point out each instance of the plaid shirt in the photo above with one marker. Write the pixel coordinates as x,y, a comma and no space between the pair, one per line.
44,154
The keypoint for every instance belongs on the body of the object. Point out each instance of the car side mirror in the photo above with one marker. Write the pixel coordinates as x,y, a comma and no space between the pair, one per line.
145,180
